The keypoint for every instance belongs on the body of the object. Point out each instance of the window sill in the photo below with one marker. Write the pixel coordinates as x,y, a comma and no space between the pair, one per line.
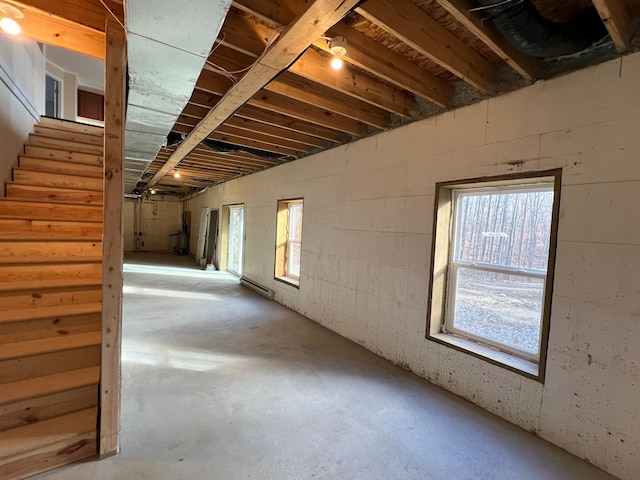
501,359
294,282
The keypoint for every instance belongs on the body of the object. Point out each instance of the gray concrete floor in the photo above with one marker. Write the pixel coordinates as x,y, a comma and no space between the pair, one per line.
220,383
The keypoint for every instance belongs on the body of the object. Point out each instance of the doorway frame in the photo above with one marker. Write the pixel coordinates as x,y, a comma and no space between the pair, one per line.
223,238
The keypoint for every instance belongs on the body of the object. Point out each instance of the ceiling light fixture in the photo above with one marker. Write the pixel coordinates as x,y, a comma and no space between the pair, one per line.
8,16
176,174
338,48
152,191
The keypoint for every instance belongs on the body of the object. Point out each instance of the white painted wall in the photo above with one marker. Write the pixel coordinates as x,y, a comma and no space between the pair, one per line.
22,68
160,216
367,241
88,70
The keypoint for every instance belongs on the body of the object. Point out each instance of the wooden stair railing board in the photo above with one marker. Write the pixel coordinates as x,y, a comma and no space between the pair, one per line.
51,224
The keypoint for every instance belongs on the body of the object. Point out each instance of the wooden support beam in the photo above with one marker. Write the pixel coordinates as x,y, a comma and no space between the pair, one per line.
59,32
190,117
314,66
248,38
90,13
252,143
486,31
277,132
312,93
302,32
282,11
277,102
615,16
410,24
227,129
375,58
241,158
362,51
269,117
213,83
110,368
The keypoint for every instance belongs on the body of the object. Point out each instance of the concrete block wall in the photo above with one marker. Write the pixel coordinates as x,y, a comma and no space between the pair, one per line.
22,73
367,231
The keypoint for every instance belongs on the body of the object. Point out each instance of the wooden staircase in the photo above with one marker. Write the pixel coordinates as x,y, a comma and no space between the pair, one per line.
51,300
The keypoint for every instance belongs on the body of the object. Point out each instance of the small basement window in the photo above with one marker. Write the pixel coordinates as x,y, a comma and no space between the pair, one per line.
289,241
492,270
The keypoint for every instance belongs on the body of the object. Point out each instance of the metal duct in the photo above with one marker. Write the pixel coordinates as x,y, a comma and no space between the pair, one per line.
523,25
168,43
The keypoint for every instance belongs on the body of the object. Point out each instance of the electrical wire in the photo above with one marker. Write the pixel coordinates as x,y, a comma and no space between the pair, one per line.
113,15
231,74
499,4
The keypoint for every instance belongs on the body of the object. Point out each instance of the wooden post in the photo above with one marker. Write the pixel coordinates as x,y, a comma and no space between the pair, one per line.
112,256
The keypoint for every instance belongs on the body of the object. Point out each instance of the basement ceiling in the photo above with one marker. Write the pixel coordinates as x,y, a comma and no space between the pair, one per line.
405,60
266,94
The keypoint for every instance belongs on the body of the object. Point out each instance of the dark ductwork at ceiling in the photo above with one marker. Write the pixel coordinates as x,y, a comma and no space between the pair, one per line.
523,25
174,139
222,147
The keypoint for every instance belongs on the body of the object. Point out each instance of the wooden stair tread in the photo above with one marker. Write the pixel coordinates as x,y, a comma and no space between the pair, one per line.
52,275
70,135
38,346
21,315
51,210
59,166
51,202
47,251
70,125
38,236
69,145
40,434
62,155
52,283
63,180
27,191
37,218
21,228
34,260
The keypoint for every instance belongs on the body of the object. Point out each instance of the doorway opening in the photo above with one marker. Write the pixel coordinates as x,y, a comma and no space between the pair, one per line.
52,97
207,237
232,239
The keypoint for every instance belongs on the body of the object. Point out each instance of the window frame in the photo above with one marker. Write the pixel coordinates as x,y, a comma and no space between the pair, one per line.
284,241
442,275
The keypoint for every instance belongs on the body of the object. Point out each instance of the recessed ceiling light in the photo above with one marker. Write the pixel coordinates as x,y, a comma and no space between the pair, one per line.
10,26
8,16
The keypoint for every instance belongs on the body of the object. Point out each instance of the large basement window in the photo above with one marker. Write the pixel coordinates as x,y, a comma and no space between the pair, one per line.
492,271
289,241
